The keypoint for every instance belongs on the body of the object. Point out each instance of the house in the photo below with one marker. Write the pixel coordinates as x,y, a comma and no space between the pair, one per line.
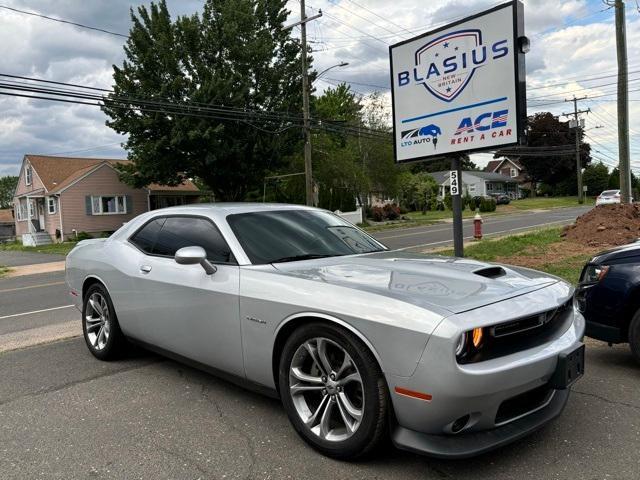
58,197
7,225
478,183
511,167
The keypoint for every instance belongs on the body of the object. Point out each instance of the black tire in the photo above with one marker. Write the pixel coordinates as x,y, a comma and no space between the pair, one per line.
115,343
634,336
374,392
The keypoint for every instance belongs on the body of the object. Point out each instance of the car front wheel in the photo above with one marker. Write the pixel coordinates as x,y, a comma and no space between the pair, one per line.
100,324
333,390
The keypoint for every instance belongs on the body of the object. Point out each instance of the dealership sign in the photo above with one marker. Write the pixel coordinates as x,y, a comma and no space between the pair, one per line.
460,88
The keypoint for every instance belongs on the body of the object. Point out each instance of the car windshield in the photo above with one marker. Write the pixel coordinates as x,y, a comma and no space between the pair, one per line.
290,235
609,193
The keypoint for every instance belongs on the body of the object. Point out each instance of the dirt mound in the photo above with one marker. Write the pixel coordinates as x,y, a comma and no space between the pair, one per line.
606,225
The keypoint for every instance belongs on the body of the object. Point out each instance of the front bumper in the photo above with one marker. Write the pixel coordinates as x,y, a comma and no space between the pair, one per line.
471,444
482,390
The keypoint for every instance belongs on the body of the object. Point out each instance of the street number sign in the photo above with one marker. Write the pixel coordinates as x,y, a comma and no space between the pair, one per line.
454,182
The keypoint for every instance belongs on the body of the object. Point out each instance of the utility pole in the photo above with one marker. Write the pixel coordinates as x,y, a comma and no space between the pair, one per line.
576,125
623,104
308,166
306,125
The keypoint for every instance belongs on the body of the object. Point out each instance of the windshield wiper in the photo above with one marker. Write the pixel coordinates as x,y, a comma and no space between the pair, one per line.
304,256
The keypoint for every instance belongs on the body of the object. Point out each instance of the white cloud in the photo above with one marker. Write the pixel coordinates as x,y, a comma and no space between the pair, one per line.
570,39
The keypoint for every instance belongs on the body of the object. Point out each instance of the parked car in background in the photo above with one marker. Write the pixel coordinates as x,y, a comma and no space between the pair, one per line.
608,197
501,198
608,295
456,357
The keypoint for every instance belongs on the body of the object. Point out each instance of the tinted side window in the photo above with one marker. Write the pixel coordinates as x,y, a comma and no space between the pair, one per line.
145,238
179,232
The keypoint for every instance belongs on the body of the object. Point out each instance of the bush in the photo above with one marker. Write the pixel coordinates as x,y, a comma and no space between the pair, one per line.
391,211
105,234
448,201
377,214
83,236
488,205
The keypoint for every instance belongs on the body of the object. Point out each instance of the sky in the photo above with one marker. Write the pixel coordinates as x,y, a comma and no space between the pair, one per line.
573,51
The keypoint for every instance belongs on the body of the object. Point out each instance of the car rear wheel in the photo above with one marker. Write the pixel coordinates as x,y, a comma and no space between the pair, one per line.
333,391
634,336
100,324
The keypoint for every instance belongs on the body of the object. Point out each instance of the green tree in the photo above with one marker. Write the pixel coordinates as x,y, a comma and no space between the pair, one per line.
235,55
7,189
417,190
547,134
595,178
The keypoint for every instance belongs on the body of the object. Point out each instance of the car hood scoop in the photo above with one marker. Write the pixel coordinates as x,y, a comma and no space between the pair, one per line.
454,284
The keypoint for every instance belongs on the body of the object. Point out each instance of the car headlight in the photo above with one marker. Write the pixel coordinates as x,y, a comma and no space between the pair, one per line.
594,273
462,342
470,342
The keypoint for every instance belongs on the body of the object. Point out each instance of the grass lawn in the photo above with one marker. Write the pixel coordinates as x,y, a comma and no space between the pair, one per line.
549,202
3,270
55,248
541,250
516,206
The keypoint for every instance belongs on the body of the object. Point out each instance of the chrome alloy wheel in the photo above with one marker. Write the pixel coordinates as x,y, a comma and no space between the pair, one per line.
96,321
326,389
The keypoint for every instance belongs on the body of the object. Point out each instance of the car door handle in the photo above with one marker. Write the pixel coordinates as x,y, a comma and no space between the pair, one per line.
145,268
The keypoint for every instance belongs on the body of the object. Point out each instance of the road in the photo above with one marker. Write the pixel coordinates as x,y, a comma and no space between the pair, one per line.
65,415
441,234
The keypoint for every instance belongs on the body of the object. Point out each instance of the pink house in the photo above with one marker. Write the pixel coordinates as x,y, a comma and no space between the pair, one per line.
58,197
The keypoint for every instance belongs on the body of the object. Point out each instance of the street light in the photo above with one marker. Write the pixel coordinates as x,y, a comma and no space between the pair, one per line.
341,64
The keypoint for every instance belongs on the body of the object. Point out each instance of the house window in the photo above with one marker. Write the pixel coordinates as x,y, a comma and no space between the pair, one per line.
51,205
32,209
28,175
514,173
108,205
472,188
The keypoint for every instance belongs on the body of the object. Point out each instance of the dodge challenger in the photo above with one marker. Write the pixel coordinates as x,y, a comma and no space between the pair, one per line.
450,357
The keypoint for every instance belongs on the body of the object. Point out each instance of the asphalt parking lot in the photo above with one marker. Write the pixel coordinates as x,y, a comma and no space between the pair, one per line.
65,415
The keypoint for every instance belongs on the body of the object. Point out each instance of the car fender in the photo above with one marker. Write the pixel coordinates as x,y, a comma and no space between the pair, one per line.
332,319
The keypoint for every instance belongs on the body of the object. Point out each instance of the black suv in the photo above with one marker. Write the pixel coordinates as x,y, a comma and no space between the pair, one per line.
608,296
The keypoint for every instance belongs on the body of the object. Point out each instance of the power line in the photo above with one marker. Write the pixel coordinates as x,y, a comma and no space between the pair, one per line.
380,16
68,22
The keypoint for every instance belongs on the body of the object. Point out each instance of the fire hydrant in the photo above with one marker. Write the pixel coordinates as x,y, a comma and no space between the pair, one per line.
477,227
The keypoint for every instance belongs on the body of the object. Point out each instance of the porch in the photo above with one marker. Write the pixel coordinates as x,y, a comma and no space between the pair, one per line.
31,220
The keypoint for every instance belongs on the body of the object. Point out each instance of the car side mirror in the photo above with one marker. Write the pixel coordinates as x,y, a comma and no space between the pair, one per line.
193,256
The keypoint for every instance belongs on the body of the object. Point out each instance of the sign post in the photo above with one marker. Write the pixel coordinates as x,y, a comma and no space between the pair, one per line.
460,89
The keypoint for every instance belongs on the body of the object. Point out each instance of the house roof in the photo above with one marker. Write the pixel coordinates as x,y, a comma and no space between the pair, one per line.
441,177
57,173
185,187
6,215
492,166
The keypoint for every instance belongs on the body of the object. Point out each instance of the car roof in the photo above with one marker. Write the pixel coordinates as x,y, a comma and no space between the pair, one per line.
227,208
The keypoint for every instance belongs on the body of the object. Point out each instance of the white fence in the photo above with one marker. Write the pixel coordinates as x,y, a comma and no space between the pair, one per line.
353,217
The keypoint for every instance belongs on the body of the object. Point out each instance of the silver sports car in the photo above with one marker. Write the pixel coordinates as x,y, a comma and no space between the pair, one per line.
453,357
